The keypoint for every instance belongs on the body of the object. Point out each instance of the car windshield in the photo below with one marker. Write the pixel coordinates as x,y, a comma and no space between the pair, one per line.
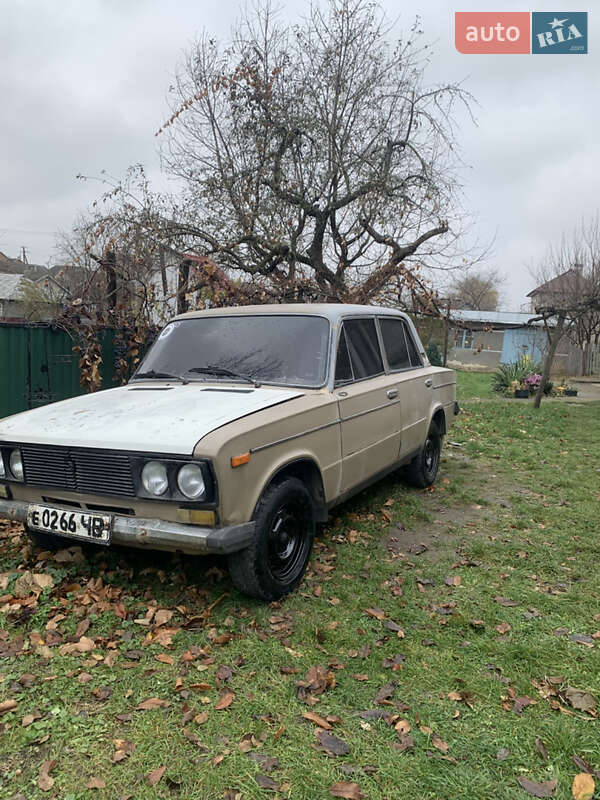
280,349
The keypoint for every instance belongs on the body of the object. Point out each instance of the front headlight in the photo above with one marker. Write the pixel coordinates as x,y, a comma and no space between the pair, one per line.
154,478
16,465
2,467
190,480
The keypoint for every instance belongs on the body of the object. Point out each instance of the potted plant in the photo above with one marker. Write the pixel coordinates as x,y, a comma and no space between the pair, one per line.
565,389
519,389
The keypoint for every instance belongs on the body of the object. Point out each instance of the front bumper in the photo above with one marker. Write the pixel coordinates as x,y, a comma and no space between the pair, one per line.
158,534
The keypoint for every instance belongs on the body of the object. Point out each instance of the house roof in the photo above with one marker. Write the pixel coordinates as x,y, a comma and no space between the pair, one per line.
561,283
509,318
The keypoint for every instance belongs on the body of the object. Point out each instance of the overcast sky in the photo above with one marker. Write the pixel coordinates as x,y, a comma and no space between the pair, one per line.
83,87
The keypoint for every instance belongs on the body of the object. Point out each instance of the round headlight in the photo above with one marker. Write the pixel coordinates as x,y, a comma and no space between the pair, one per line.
191,481
16,465
154,478
2,469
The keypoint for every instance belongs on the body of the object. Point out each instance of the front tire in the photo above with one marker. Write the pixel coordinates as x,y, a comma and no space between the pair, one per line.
423,469
275,562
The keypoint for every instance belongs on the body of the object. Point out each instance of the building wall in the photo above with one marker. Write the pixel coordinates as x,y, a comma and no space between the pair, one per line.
484,350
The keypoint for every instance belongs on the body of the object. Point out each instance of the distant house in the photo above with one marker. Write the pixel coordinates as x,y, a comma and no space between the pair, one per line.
482,340
563,285
23,299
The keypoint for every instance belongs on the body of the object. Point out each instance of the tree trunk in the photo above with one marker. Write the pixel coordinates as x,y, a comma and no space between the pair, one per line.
110,263
553,340
182,286
163,273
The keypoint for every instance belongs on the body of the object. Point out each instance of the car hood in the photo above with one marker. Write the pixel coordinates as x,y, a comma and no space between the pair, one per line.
157,417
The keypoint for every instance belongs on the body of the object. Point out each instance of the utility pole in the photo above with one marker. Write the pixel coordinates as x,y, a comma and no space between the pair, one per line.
446,332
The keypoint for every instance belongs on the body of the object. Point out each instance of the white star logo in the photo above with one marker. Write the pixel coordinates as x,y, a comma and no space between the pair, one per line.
557,23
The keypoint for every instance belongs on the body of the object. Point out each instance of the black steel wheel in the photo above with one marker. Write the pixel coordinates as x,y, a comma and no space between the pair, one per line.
423,469
274,564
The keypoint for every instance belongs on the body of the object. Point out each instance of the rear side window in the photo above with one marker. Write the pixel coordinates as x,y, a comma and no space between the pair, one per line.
400,348
363,348
394,342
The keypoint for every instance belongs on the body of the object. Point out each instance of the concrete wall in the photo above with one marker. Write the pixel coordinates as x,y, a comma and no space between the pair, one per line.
485,350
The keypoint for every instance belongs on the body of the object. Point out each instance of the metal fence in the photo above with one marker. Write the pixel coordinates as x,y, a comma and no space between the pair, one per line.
38,366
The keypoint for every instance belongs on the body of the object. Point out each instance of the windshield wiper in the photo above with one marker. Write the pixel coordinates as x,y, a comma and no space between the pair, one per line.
224,372
152,373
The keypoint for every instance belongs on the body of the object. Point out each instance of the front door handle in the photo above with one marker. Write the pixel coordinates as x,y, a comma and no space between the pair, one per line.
428,382
392,393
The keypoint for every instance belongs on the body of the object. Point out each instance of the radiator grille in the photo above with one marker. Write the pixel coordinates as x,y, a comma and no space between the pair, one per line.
90,471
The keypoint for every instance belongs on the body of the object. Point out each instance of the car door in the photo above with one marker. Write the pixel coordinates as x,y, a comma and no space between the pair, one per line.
406,367
368,403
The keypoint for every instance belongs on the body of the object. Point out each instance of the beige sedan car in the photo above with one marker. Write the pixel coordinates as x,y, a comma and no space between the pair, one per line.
239,431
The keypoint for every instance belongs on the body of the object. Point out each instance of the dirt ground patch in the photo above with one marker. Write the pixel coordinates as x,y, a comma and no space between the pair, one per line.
448,517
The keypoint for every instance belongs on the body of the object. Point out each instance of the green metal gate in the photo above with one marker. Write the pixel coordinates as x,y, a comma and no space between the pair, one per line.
38,366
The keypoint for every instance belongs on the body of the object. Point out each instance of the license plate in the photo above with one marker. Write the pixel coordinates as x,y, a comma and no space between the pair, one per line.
72,524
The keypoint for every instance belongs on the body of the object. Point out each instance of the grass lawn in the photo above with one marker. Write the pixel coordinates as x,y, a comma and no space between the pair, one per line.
439,635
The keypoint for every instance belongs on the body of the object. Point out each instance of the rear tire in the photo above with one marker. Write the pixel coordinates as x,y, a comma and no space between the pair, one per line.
275,562
423,469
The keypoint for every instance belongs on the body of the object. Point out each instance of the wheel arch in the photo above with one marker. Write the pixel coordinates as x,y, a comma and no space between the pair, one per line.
439,417
307,470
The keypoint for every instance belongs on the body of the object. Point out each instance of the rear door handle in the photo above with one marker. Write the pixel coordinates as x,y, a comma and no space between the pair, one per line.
428,382
392,393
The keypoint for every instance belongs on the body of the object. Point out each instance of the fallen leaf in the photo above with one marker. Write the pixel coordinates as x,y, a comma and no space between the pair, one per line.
583,787
505,601
503,753
32,583
521,703
384,695
45,780
311,716
377,613
541,748
7,705
402,727
504,627
582,701
151,703
267,783
545,789
347,790
225,701
165,659
154,776
96,783
332,744
453,580
439,743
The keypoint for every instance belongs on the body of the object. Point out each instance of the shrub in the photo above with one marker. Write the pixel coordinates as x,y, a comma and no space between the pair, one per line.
434,354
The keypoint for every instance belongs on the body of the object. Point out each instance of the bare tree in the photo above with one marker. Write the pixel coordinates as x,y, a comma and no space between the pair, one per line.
476,290
314,159
567,298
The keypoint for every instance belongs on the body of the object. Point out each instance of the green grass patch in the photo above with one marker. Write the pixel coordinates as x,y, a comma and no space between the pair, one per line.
514,515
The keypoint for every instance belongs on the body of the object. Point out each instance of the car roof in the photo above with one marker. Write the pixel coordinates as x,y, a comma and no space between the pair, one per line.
332,311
